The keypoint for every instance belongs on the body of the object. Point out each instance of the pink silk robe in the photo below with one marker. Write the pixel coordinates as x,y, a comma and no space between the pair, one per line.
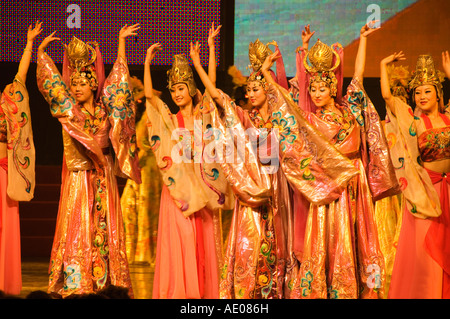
89,250
423,240
189,245
17,180
290,156
341,257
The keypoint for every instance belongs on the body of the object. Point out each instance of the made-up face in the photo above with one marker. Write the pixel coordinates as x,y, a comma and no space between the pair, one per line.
426,98
81,89
320,94
256,94
180,95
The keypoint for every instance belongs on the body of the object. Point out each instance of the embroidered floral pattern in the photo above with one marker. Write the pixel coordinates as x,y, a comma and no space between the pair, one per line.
100,252
58,95
285,128
345,121
117,99
92,123
306,284
72,277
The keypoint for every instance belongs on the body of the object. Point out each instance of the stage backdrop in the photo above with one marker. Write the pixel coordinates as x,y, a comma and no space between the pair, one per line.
173,23
414,26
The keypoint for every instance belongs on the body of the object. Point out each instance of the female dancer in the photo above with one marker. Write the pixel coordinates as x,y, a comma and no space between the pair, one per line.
188,253
89,250
341,257
140,202
17,161
421,154
281,152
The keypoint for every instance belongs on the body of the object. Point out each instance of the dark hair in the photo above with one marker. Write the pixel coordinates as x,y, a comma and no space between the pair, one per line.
412,99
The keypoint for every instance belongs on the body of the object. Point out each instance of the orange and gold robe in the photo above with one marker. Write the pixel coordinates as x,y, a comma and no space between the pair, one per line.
89,250
342,256
281,156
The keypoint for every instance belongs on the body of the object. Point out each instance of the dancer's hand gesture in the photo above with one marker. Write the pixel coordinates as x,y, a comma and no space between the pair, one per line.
34,32
368,29
212,34
49,39
446,63
151,52
127,30
194,53
397,56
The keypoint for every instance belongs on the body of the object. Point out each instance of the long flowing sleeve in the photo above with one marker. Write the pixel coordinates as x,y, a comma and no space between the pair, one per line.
374,146
80,148
20,143
251,183
118,100
422,199
311,164
177,172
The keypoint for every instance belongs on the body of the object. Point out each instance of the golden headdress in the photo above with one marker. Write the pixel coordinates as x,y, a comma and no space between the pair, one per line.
399,77
257,54
322,69
181,72
81,58
426,73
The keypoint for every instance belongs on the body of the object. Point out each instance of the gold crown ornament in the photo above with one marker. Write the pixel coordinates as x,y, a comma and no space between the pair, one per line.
257,54
322,69
181,72
426,73
399,77
81,56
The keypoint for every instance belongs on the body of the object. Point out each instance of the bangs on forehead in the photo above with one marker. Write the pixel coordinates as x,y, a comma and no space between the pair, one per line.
426,87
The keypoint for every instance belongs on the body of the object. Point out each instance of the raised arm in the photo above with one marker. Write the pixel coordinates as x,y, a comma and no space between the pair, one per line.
26,56
148,85
446,63
194,53
213,32
44,44
267,64
124,33
384,78
306,37
360,62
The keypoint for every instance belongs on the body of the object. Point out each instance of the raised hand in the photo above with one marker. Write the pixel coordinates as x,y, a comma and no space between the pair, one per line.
306,37
194,53
368,29
151,52
49,39
213,32
307,34
397,56
446,63
34,32
127,30
268,62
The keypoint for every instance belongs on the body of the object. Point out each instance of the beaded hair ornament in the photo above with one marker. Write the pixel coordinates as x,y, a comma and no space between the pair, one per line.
322,69
181,72
81,58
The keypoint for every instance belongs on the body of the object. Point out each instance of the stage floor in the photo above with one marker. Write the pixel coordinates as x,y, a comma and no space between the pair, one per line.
35,277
